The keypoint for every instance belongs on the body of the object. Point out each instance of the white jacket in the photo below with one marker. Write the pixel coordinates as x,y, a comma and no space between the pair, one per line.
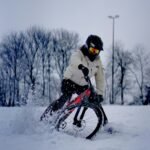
95,69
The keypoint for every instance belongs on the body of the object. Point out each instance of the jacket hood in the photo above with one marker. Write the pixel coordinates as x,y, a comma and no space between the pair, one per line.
84,50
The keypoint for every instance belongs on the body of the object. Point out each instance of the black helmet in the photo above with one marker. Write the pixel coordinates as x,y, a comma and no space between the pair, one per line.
95,42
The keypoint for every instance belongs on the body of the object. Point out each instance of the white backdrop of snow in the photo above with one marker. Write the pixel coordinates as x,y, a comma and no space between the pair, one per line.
20,129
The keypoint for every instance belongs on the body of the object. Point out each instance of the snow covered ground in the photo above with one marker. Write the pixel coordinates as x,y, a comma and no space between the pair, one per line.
20,129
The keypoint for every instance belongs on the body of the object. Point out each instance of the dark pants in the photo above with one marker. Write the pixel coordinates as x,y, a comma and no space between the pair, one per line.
68,89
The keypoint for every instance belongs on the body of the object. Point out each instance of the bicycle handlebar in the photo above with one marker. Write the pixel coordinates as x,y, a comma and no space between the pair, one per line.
87,78
81,67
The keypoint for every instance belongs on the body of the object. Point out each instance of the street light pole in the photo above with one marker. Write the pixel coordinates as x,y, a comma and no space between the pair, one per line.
113,35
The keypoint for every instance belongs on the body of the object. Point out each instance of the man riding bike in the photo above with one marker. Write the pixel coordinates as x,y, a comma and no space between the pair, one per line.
74,81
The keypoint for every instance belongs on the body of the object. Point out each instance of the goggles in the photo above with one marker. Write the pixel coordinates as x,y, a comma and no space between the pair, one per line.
94,51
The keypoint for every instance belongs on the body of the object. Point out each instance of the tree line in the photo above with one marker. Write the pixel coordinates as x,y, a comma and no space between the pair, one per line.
131,77
32,65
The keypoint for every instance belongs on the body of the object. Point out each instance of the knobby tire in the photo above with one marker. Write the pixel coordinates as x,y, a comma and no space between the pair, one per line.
98,113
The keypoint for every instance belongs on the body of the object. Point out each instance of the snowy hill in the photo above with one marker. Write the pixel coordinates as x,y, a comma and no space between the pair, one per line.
20,129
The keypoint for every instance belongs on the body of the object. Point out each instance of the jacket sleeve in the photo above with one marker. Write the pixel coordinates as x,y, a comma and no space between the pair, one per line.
100,79
75,60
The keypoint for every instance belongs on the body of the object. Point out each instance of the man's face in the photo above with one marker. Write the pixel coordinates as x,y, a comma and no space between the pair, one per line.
94,51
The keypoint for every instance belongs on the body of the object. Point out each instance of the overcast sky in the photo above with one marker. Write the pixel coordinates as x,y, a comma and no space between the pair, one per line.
82,16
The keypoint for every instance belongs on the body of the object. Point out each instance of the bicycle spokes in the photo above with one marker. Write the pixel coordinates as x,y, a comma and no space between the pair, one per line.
84,121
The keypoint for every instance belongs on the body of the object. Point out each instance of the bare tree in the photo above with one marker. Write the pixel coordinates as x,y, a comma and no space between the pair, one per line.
123,60
42,39
12,55
141,61
30,52
3,89
49,65
64,42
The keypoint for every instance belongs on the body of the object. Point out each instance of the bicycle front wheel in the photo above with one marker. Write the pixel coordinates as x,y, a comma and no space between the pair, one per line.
86,123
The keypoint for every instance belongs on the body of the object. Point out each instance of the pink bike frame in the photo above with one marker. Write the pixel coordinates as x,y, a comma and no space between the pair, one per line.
79,98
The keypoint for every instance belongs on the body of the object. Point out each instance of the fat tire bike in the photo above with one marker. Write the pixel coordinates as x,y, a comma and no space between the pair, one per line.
78,116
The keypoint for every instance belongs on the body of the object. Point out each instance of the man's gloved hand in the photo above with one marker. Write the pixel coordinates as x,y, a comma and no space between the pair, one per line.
100,98
84,69
96,98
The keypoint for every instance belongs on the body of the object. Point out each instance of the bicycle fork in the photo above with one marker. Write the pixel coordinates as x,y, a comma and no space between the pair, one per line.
77,121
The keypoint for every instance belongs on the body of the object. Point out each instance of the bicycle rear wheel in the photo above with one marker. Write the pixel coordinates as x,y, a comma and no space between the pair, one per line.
88,123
